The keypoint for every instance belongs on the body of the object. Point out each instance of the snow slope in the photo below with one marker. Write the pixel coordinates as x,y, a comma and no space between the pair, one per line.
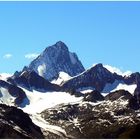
130,88
118,85
63,76
41,101
39,121
4,76
85,90
116,70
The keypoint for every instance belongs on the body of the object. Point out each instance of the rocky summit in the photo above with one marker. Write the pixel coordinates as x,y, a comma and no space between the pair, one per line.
54,59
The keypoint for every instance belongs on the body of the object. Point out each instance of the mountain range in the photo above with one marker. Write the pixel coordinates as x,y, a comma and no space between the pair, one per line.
59,98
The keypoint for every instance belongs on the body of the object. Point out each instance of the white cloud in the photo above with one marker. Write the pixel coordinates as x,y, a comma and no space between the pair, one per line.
31,55
7,56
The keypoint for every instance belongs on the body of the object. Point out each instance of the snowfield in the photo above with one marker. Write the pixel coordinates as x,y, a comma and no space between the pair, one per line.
85,90
41,101
118,71
130,88
4,76
118,85
63,77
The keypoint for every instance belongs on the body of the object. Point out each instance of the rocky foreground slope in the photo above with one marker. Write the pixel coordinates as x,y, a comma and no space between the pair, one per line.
114,117
14,123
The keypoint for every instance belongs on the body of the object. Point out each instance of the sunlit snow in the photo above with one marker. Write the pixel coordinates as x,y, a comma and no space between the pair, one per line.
116,70
62,78
4,76
130,88
41,101
118,85
85,89
41,69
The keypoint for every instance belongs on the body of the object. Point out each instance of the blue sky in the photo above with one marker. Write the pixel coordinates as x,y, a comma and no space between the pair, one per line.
99,32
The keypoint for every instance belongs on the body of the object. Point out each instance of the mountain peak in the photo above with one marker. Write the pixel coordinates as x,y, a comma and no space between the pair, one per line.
60,44
99,68
56,58
99,65
94,78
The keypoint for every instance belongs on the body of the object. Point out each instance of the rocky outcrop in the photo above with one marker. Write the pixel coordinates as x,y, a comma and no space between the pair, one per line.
118,94
15,124
93,96
31,80
16,92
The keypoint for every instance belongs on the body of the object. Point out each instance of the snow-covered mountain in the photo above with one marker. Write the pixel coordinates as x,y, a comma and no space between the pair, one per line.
54,59
67,101
66,69
95,77
100,78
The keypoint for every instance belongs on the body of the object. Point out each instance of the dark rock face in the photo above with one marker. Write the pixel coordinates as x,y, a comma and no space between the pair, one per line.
31,80
15,124
125,95
118,94
4,84
134,78
112,118
94,96
55,59
96,77
15,92
19,94
133,103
